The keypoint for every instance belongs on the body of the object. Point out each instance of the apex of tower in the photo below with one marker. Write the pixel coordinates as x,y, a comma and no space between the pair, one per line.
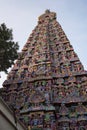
48,15
47,11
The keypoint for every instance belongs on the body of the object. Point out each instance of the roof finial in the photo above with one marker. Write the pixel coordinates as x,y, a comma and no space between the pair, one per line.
47,11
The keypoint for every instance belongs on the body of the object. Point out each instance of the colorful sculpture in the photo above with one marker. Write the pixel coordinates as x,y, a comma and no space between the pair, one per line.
48,84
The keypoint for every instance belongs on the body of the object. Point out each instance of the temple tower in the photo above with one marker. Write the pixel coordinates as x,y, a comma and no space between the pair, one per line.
48,83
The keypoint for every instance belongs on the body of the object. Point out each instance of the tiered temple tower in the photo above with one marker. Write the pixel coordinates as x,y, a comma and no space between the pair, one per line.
48,84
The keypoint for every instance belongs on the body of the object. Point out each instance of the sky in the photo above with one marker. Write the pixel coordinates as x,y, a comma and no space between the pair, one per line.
22,17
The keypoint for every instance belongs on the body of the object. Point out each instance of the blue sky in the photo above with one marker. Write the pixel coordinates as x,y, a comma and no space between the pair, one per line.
22,17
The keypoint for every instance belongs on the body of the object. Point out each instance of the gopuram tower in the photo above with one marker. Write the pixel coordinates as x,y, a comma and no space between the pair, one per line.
48,84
